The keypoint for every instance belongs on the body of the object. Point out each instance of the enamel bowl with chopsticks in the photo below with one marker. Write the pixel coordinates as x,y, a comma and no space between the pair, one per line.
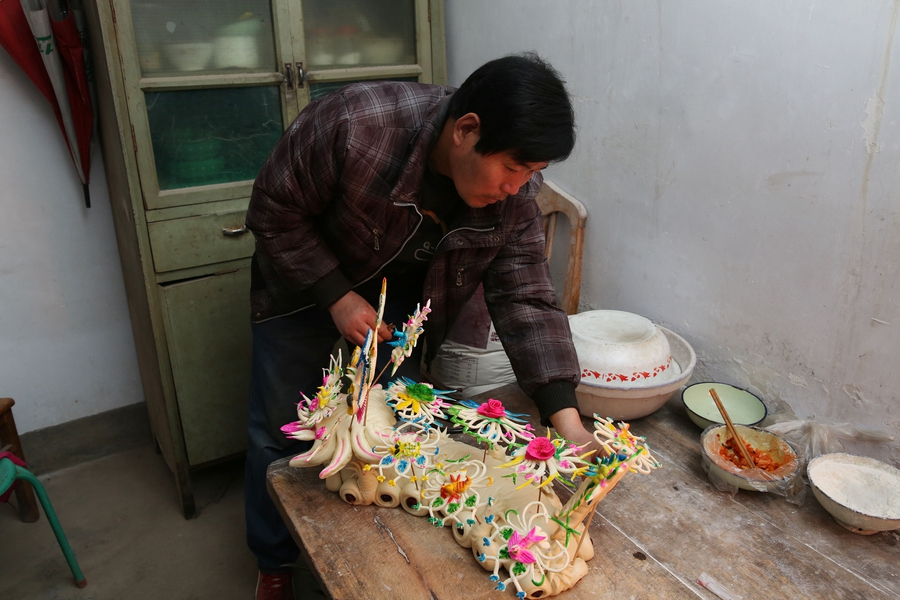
785,479
748,458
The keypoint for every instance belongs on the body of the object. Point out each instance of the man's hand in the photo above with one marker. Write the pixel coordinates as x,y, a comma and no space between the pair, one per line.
567,423
354,317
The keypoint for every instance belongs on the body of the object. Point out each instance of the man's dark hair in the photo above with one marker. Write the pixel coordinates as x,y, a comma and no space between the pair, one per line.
523,106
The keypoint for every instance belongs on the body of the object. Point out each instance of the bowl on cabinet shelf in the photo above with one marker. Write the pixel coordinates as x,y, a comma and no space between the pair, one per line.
189,56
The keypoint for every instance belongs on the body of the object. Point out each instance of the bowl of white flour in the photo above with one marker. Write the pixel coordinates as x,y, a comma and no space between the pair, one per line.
861,493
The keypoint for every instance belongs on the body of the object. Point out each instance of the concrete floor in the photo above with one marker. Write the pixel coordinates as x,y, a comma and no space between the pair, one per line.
123,521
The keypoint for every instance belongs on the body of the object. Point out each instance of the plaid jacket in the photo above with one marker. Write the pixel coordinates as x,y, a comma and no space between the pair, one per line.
337,199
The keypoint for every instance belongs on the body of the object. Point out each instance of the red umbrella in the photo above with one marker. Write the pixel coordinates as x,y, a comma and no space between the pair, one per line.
51,52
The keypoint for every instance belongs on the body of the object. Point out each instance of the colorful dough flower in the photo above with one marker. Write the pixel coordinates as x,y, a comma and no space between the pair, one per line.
492,409
540,449
405,447
453,488
416,402
490,423
520,546
312,411
545,459
618,440
408,336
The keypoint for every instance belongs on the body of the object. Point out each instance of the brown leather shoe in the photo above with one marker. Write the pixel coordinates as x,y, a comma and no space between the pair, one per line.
275,586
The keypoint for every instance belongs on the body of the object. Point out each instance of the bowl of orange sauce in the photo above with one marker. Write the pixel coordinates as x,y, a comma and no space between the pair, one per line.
777,463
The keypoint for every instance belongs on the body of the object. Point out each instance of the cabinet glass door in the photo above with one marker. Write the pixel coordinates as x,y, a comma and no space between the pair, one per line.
211,84
354,33
176,38
208,93
356,40
212,136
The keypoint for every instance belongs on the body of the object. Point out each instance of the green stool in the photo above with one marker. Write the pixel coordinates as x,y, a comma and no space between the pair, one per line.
9,472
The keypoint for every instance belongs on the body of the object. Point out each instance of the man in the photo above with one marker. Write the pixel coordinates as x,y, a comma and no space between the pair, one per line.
433,189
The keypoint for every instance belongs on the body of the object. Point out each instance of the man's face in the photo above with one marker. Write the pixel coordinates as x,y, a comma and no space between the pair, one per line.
483,179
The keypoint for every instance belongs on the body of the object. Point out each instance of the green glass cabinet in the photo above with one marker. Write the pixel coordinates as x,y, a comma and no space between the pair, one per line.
191,97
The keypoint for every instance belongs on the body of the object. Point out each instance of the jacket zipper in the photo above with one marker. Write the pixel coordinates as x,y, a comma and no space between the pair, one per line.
412,233
449,233
376,232
402,246
459,270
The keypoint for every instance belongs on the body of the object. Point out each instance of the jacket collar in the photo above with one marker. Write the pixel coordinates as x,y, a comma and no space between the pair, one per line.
409,184
480,218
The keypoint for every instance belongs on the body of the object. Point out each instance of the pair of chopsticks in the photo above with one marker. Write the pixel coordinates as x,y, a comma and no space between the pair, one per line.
731,429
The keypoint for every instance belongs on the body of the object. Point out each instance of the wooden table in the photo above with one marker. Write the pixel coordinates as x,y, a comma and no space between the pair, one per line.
654,535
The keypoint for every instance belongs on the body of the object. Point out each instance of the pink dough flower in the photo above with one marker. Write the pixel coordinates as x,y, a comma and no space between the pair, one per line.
518,546
490,423
540,448
492,409
292,428
545,459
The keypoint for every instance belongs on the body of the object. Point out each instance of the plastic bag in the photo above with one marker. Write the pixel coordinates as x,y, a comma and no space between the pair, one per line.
815,439
785,480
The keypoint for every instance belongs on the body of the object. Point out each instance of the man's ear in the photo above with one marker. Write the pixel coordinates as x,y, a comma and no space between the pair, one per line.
467,124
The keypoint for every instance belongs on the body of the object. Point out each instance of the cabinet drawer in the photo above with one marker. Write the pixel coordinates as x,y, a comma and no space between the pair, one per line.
195,241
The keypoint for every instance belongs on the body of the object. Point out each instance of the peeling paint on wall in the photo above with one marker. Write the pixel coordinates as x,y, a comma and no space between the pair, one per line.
798,380
874,109
854,393
761,375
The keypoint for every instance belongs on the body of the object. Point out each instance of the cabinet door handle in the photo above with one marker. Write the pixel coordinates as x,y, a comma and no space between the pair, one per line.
288,75
301,75
234,231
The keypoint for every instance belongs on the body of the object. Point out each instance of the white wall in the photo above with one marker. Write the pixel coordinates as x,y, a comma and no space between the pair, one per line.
739,163
66,347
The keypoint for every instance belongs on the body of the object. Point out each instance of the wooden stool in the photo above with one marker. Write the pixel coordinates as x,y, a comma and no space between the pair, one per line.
9,442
